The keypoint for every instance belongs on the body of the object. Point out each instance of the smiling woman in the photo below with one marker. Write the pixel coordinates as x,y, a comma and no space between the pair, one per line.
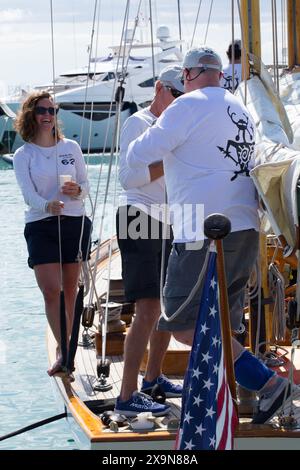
56,245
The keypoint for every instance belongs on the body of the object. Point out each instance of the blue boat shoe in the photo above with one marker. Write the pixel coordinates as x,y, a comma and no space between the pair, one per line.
140,403
170,389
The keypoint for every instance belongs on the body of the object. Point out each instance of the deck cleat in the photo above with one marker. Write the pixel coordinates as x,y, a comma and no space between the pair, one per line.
113,420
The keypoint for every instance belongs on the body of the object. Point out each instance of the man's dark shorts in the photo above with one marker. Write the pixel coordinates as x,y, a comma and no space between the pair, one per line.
141,257
240,252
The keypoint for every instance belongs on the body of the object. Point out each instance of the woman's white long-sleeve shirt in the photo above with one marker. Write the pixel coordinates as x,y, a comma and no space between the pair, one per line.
37,170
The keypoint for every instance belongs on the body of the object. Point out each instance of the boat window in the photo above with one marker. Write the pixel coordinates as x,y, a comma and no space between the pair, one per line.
145,104
89,110
148,83
109,76
168,61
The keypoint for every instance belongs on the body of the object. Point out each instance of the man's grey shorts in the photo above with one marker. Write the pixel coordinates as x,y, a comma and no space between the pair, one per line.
240,252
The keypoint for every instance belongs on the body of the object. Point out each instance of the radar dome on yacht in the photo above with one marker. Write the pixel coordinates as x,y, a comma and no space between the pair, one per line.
163,33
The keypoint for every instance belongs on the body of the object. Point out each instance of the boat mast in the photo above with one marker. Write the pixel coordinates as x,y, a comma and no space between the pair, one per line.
293,28
260,315
250,24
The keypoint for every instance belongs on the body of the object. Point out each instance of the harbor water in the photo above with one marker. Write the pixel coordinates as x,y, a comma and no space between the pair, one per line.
26,392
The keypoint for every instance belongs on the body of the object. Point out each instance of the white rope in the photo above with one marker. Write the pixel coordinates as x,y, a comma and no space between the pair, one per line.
191,295
276,290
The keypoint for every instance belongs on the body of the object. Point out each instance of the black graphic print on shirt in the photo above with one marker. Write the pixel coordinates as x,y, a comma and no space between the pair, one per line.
240,150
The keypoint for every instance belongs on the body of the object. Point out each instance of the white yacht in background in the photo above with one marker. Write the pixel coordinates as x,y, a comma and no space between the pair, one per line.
88,107
8,138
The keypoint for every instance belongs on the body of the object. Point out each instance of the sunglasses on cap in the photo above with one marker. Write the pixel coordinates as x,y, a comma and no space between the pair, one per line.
175,93
42,110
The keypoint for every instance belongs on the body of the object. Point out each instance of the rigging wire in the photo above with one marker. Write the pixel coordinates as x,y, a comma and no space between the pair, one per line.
104,324
152,40
179,23
93,85
94,271
136,22
196,22
244,53
56,137
283,32
122,78
232,46
89,69
275,45
62,310
208,21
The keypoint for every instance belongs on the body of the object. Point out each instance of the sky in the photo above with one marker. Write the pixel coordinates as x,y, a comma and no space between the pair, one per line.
26,39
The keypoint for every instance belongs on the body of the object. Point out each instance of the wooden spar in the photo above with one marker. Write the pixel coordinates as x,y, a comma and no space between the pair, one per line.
293,32
250,24
225,322
216,227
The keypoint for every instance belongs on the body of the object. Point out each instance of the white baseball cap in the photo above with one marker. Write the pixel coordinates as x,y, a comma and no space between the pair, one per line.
171,76
202,57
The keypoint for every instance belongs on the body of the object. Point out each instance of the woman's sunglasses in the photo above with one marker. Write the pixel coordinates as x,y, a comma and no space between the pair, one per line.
175,93
42,110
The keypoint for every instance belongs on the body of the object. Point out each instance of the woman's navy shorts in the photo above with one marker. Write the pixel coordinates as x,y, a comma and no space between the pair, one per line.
43,240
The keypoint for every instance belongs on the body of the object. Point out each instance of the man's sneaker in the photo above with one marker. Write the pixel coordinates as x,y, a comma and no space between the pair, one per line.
170,390
140,403
270,403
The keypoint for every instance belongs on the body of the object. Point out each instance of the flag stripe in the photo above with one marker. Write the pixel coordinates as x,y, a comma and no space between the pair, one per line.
208,416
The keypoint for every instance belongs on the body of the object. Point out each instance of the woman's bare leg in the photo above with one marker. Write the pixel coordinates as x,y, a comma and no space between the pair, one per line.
48,280
71,273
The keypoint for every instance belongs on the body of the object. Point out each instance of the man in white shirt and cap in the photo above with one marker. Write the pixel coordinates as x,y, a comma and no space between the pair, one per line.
140,230
232,74
206,141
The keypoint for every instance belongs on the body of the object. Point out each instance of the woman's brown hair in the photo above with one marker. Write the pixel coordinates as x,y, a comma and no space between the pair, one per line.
25,123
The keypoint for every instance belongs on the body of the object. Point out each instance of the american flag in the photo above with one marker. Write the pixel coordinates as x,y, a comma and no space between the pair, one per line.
208,417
